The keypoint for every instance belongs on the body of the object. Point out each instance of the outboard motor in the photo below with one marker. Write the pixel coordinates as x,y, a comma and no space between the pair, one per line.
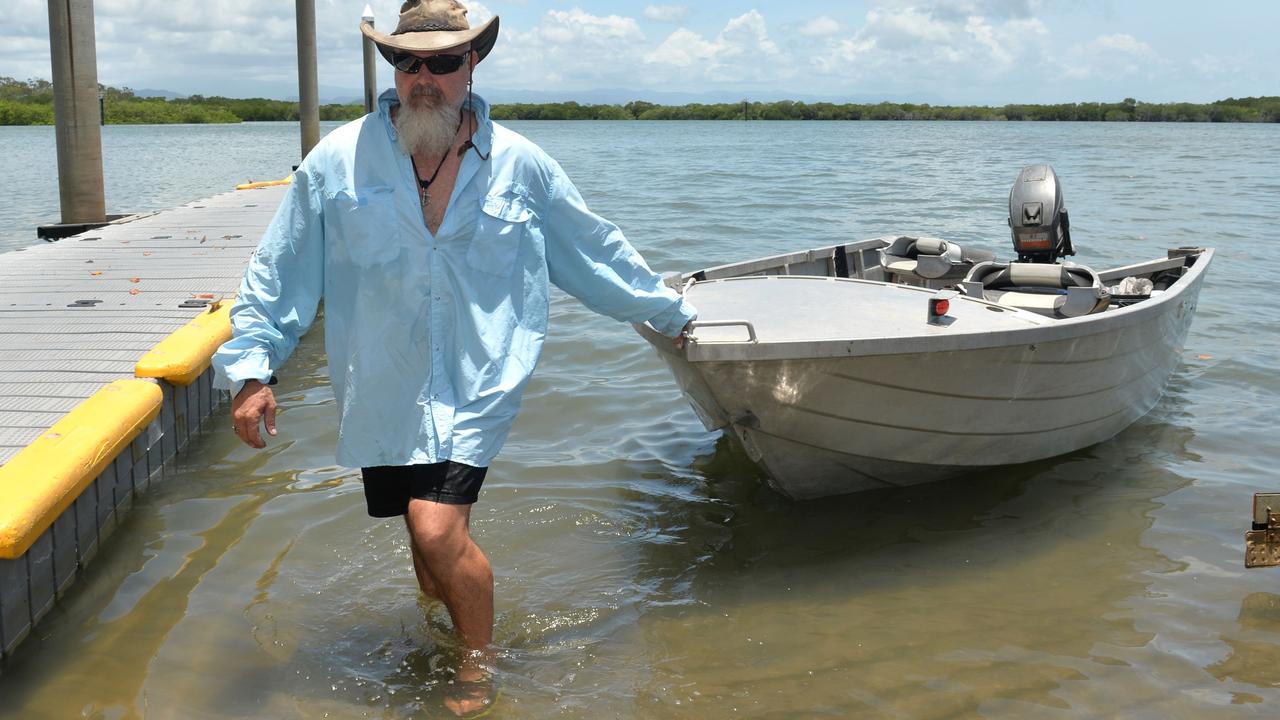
1037,217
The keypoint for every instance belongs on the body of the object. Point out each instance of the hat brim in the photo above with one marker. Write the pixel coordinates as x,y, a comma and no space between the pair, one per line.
481,38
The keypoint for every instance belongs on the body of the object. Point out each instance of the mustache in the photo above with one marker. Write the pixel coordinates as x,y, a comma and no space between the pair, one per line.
425,92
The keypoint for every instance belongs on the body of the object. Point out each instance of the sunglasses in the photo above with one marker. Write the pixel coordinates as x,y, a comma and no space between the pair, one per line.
436,64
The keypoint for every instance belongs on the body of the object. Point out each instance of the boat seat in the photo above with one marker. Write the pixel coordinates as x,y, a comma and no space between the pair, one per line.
931,258
1059,290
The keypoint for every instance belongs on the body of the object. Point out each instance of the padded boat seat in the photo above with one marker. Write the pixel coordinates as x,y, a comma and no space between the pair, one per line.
1061,291
931,258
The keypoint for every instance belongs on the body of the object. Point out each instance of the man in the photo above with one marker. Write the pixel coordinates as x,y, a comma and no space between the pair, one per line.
431,233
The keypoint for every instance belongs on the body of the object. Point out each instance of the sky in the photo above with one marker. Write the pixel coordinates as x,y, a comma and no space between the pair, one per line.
986,52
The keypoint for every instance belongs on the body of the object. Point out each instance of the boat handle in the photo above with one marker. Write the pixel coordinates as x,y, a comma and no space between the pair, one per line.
751,330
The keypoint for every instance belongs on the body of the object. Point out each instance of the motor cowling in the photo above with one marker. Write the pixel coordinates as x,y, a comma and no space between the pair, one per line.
1037,216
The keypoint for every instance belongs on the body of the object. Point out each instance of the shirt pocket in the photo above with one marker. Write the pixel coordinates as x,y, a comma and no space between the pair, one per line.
367,225
500,231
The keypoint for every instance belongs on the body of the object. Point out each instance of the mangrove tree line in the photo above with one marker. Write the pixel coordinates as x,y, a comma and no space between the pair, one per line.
31,103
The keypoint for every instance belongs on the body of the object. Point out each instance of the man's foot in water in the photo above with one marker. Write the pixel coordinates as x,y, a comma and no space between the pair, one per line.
473,690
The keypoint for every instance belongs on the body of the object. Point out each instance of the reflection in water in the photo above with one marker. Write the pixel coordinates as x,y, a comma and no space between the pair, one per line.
1255,656
154,596
925,601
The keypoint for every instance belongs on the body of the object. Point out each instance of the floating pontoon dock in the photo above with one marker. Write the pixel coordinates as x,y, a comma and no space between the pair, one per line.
105,341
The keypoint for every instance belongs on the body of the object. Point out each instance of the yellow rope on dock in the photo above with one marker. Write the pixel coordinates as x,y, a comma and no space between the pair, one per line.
42,480
186,353
264,183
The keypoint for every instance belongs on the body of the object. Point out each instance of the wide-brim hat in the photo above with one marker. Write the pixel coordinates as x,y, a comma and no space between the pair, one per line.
431,26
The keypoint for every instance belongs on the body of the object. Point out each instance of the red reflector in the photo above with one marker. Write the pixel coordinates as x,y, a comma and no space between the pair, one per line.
940,307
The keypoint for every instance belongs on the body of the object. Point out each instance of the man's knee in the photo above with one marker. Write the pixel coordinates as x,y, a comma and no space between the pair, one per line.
432,540
437,530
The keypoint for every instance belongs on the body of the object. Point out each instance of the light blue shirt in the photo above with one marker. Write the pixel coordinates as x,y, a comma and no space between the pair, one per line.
430,338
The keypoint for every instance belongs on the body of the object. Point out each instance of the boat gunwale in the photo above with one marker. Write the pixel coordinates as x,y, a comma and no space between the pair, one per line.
1057,330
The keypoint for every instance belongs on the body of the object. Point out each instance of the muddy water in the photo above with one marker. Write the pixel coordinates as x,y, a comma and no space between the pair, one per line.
642,569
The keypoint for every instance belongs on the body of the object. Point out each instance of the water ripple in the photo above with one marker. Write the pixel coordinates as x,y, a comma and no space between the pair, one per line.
643,569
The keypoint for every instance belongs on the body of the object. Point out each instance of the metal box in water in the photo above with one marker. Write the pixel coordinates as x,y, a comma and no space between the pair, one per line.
1262,543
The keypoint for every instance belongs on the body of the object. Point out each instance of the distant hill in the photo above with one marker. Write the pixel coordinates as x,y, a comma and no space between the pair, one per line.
166,94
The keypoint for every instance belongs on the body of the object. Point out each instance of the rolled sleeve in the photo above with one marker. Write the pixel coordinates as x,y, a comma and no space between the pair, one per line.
671,321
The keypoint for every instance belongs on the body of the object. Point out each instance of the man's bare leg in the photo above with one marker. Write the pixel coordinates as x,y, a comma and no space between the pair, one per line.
425,583
460,574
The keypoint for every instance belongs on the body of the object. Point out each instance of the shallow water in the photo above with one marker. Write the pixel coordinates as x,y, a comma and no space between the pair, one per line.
642,570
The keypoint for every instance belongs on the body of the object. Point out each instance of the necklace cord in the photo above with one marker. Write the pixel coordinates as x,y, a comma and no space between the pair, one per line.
424,186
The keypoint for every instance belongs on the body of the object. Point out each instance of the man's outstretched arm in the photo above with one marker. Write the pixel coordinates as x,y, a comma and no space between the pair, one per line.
590,258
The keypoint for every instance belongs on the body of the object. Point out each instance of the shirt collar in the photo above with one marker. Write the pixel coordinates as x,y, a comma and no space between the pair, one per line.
483,137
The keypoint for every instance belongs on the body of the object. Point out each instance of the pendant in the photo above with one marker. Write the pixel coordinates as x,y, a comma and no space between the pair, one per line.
425,196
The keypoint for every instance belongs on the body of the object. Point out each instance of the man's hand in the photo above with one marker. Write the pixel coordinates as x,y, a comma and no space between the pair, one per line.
254,403
678,341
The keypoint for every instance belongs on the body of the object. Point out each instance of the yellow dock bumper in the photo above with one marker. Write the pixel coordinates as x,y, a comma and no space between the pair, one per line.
42,480
186,353
264,183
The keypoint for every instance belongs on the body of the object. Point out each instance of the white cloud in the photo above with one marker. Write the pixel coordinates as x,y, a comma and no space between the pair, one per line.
24,39
573,49
1213,66
1109,57
477,13
930,50
908,28
1123,43
747,32
219,40
683,48
666,13
733,57
904,44
821,26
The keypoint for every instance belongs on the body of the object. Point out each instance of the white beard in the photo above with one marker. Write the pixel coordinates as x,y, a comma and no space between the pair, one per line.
426,124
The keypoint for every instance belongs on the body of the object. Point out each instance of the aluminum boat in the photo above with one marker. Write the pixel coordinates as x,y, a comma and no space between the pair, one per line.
899,360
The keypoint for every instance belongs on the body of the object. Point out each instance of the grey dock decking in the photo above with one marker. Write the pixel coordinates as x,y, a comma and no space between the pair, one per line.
51,353
57,348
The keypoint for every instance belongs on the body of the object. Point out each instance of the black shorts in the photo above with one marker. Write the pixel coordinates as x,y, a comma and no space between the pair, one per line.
388,488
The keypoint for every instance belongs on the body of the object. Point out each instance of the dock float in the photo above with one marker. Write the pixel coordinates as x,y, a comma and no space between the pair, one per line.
105,343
